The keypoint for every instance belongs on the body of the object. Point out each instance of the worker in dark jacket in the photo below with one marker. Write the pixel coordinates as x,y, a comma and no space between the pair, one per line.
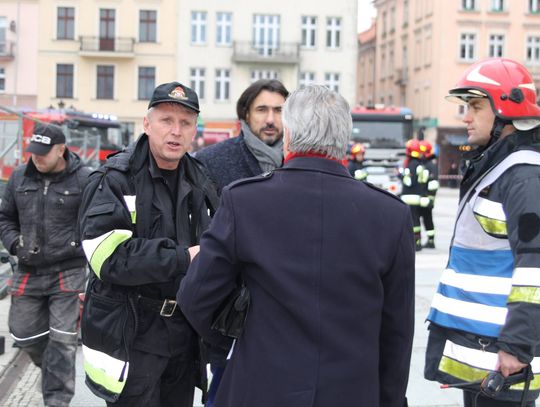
259,147
141,218
332,307
38,224
485,316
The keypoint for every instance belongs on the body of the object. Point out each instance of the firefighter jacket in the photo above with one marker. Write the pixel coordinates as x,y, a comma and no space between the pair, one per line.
136,237
414,179
432,185
38,216
488,297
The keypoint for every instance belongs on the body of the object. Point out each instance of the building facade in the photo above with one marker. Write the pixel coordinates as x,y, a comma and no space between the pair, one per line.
19,25
423,47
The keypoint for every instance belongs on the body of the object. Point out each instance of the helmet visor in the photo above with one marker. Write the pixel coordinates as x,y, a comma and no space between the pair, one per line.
463,96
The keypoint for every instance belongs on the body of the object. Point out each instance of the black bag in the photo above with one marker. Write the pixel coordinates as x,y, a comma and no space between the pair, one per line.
231,315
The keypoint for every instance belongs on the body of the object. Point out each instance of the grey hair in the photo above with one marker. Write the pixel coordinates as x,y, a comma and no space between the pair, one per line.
318,120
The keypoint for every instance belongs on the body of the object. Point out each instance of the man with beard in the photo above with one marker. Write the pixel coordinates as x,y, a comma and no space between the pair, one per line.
258,148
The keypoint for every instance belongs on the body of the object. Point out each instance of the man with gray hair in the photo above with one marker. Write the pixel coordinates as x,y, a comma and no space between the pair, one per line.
332,306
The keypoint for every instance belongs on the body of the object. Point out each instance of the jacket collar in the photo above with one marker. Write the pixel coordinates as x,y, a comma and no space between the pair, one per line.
319,164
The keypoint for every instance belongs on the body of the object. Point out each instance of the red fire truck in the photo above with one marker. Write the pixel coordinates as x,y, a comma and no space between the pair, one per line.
384,131
93,136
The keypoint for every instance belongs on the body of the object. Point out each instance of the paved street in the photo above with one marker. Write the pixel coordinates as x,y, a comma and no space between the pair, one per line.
421,393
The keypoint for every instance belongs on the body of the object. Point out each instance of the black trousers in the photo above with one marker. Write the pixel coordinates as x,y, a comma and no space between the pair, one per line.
158,381
470,400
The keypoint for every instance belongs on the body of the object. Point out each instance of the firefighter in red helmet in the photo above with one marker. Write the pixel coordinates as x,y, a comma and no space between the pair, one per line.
430,189
485,315
356,163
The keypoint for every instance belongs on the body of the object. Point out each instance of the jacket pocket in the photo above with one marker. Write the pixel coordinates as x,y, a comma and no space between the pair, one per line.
72,280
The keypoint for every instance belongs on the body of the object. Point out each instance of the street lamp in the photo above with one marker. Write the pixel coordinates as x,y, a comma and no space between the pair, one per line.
61,104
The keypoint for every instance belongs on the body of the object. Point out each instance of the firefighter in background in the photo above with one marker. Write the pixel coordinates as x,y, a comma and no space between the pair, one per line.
356,162
414,178
430,189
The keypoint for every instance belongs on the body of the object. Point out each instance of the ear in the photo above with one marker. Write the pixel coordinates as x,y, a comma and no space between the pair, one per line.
146,123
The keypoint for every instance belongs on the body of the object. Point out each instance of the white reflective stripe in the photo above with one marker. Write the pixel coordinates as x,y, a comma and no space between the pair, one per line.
30,337
411,199
529,276
433,185
130,202
100,360
464,309
479,358
489,209
90,245
63,332
477,284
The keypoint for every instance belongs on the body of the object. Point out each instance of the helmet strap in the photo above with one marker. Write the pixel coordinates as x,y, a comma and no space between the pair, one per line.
496,130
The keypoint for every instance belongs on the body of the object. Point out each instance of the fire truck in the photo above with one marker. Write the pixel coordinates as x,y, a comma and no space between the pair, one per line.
384,131
92,136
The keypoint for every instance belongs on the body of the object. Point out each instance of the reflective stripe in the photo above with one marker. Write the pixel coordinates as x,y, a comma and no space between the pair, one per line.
63,332
489,209
478,312
105,370
360,175
469,364
424,202
529,276
433,185
476,283
525,294
130,203
411,199
99,249
29,338
417,229
492,226
430,233
423,174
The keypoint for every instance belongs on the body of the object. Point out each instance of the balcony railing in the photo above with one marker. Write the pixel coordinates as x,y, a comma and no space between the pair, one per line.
115,47
7,50
282,53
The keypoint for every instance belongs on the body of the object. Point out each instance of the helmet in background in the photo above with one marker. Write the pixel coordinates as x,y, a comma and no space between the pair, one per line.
412,148
426,149
357,148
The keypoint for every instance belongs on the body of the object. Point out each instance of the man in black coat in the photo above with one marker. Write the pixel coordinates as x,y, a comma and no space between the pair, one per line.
259,147
332,307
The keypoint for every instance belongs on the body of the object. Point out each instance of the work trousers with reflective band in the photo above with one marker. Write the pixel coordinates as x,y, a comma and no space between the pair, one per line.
43,321
158,381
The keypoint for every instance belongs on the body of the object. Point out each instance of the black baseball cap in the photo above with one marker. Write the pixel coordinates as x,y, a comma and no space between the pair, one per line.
45,136
175,92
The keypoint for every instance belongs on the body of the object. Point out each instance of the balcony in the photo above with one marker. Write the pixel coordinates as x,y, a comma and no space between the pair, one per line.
402,76
7,50
283,53
117,47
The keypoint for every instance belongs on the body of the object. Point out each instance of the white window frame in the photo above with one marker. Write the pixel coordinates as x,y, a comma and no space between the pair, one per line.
222,85
223,28
309,32
2,79
468,5
534,6
266,33
333,32
532,54
197,80
496,45
257,74
306,78
3,36
332,80
467,42
497,5
198,27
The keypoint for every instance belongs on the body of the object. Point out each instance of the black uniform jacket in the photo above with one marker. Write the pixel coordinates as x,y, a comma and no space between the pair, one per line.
329,263
154,259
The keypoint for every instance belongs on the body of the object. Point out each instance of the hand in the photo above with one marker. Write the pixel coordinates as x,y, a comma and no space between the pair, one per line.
193,251
508,364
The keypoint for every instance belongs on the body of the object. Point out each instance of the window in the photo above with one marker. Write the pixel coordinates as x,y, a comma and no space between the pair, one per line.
65,23
306,78
107,29
392,19
223,28
64,81
331,81
533,6
533,50
223,84
497,5
468,5
496,45
467,47
263,74
3,43
266,33
405,12
147,25
333,32
147,82
2,79
196,81
105,82
309,28
198,27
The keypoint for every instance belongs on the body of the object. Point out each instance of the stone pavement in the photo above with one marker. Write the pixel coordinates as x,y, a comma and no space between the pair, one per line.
420,393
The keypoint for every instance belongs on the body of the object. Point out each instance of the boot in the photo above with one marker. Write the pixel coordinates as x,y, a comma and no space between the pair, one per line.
430,244
418,245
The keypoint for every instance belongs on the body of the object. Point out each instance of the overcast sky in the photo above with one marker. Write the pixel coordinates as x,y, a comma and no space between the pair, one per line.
365,13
